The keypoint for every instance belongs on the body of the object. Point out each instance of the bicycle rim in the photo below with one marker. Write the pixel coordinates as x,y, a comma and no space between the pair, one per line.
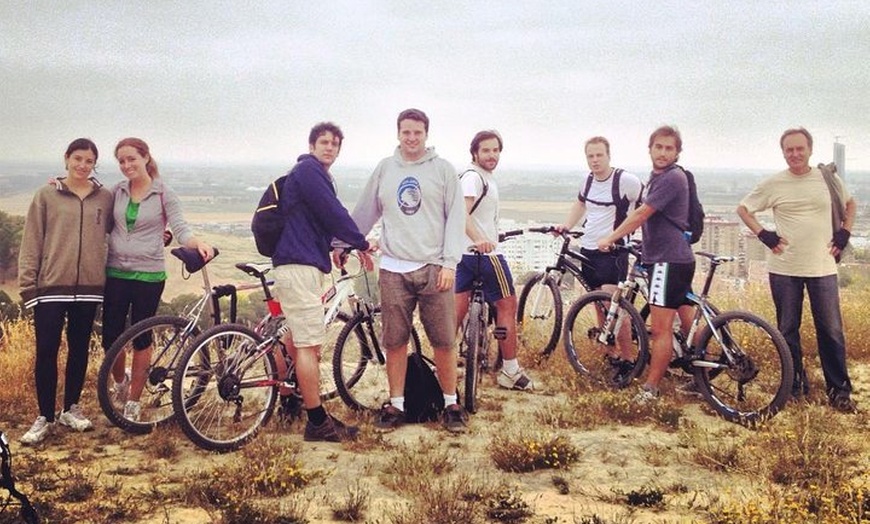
621,356
752,372
164,339
234,392
472,339
328,389
359,363
539,315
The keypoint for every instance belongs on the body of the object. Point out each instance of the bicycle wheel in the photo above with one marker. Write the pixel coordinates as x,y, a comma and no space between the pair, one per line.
328,390
621,356
166,336
238,377
473,342
539,314
745,369
359,362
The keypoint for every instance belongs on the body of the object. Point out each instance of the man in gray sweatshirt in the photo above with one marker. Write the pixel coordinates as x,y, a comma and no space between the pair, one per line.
417,197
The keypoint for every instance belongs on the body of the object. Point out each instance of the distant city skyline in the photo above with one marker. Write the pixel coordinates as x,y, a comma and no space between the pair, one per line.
242,84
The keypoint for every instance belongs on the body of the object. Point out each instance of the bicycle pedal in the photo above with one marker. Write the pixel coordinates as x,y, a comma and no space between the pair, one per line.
500,333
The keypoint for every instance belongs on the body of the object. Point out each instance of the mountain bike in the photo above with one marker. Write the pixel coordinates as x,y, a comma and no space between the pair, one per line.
167,336
164,337
540,307
26,512
474,345
358,360
740,364
238,371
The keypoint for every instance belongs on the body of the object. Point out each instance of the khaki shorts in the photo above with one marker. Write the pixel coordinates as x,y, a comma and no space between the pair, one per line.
400,294
299,289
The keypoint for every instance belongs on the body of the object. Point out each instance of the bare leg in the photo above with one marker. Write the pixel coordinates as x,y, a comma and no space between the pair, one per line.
445,367
662,320
139,373
397,366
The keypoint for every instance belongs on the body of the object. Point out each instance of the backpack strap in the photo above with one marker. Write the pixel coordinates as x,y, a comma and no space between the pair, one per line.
585,193
482,193
838,207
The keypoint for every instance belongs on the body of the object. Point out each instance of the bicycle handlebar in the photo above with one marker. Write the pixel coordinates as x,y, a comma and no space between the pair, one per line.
509,234
552,229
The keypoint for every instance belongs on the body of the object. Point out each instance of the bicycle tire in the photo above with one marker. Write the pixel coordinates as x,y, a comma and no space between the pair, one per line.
757,385
238,392
156,400
599,361
473,340
360,375
328,389
539,314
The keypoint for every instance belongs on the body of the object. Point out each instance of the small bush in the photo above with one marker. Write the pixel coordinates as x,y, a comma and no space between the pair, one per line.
522,453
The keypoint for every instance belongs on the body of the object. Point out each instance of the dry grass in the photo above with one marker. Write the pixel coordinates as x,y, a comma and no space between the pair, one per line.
616,463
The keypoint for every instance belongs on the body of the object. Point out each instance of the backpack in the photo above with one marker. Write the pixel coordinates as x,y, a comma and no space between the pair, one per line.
268,222
482,193
696,211
424,400
622,204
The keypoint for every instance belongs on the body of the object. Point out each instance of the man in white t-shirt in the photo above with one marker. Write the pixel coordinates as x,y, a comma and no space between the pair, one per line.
803,248
481,233
603,214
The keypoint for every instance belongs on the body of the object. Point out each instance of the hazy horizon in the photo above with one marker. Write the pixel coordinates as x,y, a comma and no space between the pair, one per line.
238,83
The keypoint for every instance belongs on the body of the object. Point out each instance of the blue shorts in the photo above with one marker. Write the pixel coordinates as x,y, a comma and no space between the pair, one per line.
497,280
669,282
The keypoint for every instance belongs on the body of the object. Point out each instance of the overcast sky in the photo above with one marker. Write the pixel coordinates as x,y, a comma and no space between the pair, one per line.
242,83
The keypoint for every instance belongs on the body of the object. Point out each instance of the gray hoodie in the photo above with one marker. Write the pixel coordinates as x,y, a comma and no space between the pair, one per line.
142,248
422,209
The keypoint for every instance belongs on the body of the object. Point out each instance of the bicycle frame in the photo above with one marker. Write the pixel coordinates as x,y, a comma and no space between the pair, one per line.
566,258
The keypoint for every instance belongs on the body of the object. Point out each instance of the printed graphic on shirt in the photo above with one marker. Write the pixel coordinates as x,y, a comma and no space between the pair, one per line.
409,196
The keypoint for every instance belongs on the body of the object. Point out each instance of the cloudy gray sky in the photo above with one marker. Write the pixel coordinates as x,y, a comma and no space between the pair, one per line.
242,82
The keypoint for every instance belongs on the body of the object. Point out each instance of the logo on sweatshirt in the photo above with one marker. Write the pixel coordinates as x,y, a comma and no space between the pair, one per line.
409,196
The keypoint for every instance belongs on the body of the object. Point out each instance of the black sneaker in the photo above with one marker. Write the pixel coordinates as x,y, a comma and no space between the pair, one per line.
389,418
332,430
622,370
843,403
454,419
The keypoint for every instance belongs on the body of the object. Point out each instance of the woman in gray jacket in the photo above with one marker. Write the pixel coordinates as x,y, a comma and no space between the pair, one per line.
61,276
136,270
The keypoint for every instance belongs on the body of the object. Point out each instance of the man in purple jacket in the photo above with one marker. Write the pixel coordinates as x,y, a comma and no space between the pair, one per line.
314,217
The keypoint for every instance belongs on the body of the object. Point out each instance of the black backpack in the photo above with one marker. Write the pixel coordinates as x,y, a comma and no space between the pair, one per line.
482,193
696,211
424,400
268,222
622,203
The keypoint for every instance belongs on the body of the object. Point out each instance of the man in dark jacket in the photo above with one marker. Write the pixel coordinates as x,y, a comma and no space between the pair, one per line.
314,217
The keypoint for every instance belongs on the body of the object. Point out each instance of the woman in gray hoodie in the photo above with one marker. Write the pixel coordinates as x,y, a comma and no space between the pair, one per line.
136,269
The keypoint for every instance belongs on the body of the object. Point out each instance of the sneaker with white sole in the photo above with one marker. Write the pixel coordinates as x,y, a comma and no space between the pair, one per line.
132,410
75,419
122,389
37,432
518,381
646,396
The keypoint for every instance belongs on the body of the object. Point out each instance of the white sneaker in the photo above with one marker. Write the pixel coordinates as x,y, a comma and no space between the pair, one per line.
122,389
131,411
75,419
645,396
518,381
37,432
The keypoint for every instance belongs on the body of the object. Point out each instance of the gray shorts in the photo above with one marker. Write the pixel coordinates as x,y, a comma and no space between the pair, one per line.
400,294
